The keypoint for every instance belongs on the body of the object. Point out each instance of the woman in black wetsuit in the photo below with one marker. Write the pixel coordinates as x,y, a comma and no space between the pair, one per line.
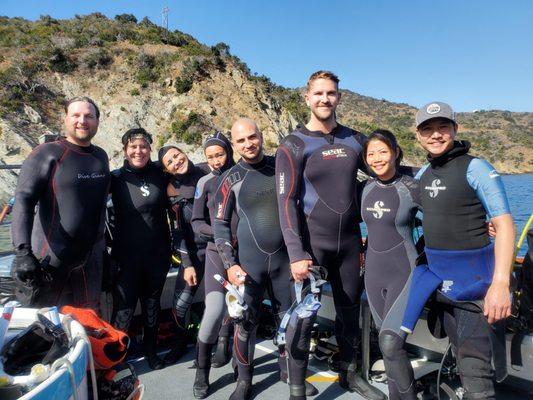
219,155
388,207
188,246
141,240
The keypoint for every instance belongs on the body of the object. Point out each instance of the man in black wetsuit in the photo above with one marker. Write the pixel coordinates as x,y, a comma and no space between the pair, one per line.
316,170
59,246
249,188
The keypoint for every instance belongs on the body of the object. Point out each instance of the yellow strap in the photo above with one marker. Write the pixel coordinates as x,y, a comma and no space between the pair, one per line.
524,233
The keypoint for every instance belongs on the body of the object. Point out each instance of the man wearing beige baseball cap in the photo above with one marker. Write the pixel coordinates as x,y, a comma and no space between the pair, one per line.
458,193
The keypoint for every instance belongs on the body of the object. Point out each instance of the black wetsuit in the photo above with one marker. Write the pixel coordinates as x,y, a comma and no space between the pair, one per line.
69,186
189,246
388,209
250,190
213,323
141,244
316,179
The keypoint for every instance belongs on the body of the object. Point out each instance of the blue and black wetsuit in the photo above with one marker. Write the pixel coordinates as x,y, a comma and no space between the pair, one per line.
388,209
69,186
141,245
250,190
202,222
319,214
457,193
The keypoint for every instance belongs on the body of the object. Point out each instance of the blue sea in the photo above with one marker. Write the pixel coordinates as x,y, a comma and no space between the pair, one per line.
519,191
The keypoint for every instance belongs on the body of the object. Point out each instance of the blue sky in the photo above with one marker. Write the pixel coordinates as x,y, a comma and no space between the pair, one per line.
474,54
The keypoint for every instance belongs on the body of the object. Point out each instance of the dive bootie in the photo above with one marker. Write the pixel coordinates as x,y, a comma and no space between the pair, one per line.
310,390
353,382
154,361
179,348
200,388
297,392
222,353
149,349
243,391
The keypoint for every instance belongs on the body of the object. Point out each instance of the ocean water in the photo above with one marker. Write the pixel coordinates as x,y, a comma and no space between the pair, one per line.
519,192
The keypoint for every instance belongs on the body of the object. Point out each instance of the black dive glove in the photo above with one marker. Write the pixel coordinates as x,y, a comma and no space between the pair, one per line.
25,266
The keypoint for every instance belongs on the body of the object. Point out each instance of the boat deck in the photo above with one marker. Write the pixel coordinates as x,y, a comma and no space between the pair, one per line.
175,382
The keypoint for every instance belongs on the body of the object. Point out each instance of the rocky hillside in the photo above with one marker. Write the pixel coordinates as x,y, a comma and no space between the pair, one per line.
180,90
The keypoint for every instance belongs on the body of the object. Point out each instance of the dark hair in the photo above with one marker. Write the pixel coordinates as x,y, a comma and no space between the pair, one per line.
389,139
323,75
163,150
136,133
84,99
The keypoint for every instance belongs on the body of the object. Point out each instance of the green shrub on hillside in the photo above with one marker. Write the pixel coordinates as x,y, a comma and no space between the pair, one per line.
190,130
126,18
58,61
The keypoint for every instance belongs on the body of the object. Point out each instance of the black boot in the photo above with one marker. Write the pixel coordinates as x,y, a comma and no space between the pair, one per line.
149,348
310,390
222,353
179,347
297,392
350,380
243,391
200,388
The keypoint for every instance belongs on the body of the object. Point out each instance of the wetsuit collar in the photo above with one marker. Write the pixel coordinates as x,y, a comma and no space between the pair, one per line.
258,165
396,177
76,148
129,168
459,148
181,178
328,136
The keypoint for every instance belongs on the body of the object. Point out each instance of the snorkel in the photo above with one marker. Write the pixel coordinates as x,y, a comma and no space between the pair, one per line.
234,300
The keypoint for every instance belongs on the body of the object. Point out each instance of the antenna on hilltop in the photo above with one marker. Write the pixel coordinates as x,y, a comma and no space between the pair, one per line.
164,21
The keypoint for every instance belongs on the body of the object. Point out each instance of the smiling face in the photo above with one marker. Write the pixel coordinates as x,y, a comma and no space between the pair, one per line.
247,140
381,158
322,97
436,135
81,123
175,162
137,153
216,156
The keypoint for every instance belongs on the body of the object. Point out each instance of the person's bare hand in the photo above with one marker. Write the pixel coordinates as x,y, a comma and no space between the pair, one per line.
497,302
189,276
236,275
300,269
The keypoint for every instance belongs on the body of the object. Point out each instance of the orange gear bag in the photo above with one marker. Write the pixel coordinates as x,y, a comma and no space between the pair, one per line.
109,345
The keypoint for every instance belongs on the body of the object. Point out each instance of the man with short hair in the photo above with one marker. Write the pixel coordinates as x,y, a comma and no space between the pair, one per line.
260,263
58,217
316,170
458,193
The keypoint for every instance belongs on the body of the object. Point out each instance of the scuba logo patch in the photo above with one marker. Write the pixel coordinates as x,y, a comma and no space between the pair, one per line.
434,188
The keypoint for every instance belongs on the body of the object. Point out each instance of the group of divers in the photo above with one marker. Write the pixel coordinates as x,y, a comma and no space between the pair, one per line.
276,225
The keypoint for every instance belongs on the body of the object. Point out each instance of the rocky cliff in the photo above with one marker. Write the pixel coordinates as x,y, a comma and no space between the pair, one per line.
181,90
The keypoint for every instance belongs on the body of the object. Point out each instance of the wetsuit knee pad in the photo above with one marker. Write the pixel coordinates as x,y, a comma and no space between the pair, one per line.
390,344
182,302
423,284
151,310
476,377
212,318
122,319
300,329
